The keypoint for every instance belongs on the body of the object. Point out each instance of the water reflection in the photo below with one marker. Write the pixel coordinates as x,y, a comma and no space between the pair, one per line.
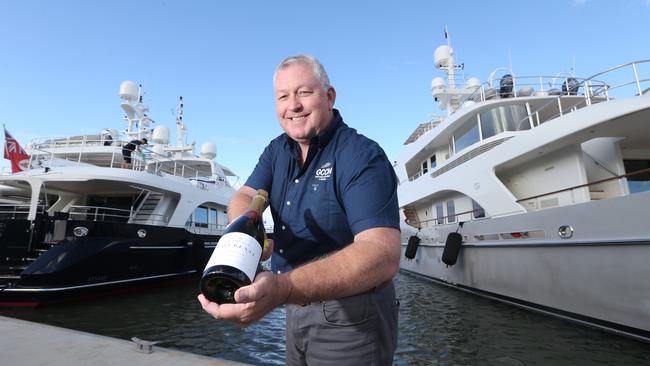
438,326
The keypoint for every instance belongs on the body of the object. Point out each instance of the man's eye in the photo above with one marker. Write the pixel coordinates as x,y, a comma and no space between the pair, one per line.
282,97
303,93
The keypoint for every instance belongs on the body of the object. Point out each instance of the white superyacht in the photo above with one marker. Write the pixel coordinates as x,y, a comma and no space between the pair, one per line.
79,221
534,191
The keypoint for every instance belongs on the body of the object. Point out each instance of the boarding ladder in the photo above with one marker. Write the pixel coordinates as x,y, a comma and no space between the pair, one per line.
144,214
412,217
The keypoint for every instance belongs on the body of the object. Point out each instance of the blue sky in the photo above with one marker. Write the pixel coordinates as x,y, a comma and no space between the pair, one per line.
61,62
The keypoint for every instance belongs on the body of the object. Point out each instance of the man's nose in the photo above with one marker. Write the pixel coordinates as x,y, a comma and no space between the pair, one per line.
294,103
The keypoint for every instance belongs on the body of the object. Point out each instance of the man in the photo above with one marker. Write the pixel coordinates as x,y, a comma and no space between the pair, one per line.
128,149
337,243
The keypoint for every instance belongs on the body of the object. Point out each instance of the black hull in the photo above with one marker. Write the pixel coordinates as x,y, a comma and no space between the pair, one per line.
111,257
20,296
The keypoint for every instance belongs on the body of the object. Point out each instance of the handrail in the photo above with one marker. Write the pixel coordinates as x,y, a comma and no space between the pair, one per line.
444,218
616,68
191,227
638,172
19,209
96,213
590,86
148,157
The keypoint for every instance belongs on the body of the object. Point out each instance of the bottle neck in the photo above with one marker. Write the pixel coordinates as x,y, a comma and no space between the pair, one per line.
259,202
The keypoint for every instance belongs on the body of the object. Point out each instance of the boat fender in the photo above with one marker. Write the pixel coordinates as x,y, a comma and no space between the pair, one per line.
452,248
412,247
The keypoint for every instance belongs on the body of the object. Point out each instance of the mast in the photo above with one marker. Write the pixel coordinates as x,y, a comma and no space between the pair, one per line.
180,126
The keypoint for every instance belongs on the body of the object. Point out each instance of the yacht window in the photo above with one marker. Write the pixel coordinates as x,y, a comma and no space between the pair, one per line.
213,218
504,118
433,161
424,167
222,217
440,214
451,211
466,135
451,148
201,217
638,182
477,210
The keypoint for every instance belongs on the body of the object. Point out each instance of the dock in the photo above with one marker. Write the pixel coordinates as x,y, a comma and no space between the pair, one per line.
28,343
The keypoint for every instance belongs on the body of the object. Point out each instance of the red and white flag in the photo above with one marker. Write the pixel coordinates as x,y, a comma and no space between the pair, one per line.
14,153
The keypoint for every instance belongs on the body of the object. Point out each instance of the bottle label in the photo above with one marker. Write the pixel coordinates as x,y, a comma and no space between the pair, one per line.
237,250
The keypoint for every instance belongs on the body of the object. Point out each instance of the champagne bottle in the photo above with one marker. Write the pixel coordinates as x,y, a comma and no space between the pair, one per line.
235,259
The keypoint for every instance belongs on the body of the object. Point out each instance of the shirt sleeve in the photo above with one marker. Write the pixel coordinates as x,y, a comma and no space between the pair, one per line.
262,175
368,191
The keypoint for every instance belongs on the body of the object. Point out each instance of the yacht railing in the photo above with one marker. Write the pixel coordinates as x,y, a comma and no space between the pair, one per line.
17,211
617,177
86,213
595,86
204,228
108,153
102,152
444,220
99,213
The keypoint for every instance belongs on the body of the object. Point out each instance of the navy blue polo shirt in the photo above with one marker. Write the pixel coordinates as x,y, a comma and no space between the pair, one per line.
347,185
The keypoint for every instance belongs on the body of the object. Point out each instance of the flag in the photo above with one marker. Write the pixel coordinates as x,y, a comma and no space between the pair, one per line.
14,153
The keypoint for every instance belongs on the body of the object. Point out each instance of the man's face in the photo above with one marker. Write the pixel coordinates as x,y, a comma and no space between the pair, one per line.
303,108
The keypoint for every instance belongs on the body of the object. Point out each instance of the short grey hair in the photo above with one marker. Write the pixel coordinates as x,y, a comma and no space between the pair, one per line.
316,66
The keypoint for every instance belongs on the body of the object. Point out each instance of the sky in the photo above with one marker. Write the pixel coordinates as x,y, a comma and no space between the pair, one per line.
61,62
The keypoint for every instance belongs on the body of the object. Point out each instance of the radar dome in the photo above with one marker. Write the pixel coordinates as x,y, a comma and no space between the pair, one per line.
437,83
473,83
441,56
160,135
129,91
110,132
208,150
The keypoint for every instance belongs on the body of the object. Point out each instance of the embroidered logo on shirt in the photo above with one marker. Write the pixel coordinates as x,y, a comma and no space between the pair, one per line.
324,171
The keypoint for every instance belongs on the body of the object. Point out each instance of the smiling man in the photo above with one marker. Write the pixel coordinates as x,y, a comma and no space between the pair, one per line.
336,242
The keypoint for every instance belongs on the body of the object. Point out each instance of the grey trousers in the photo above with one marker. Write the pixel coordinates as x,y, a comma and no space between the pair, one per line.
355,330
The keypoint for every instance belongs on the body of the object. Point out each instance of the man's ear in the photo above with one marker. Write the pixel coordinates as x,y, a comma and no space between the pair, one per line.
331,97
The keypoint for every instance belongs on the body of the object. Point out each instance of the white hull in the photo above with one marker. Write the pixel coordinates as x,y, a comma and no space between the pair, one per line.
598,276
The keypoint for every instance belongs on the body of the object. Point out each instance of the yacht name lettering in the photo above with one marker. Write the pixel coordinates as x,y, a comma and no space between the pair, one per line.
97,278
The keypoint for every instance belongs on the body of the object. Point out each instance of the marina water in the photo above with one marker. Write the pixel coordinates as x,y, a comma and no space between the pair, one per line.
438,326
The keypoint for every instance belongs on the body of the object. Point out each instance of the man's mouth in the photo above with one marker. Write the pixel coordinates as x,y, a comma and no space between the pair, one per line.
298,118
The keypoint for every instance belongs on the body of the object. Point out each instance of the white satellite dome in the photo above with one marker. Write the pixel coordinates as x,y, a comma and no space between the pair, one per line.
209,150
437,83
473,83
129,91
441,56
110,132
437,86
160,135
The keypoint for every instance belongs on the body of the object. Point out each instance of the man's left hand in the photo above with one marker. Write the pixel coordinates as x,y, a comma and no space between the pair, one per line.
253,302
